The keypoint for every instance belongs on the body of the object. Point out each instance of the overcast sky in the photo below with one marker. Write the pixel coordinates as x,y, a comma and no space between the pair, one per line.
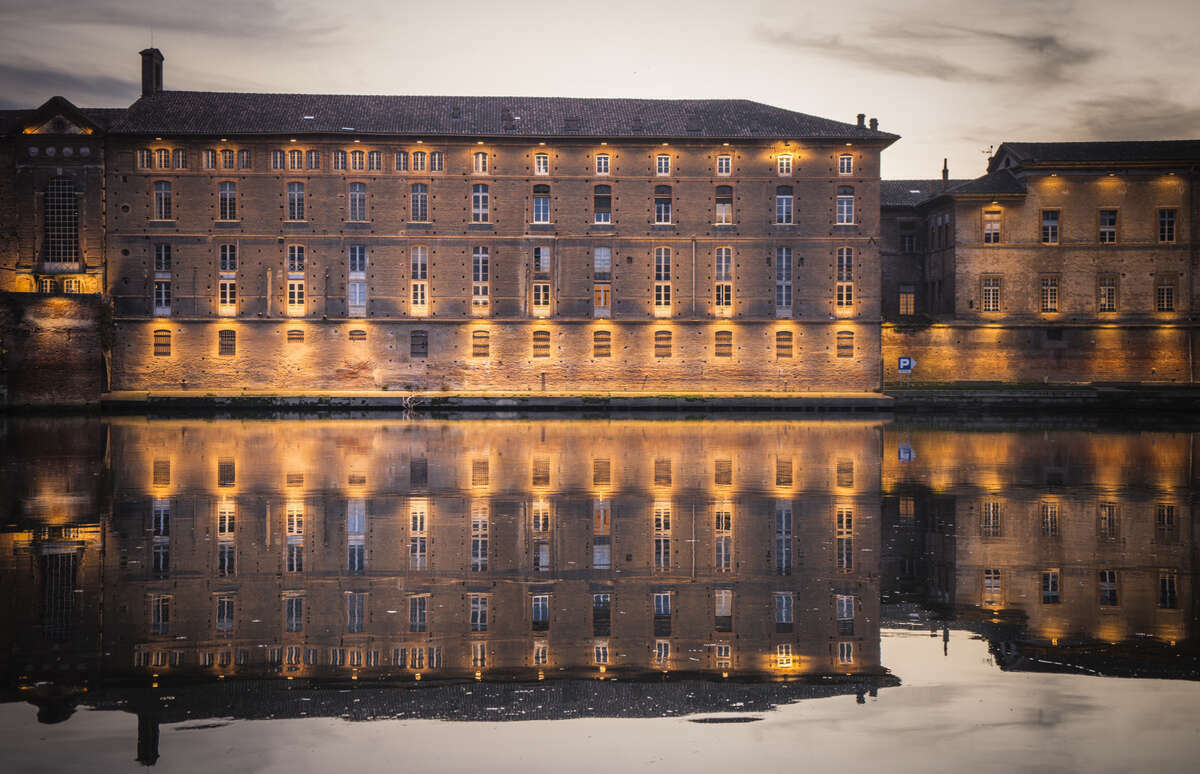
953,77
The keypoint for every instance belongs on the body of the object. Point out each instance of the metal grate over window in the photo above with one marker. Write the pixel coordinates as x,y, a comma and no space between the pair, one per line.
61,243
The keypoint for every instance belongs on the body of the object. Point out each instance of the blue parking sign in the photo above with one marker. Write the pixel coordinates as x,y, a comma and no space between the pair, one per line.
905,365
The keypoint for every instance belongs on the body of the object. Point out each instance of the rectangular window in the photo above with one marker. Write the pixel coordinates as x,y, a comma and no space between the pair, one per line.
295,160
227,297
1166,225
723,344
1049,519
295,297
845,343
480,344
784,206
227,200
540,613
374,161
294,614
277,159
783,165
723,279
724,165
295,201
480,276
1164,295
419,202
723,610
991,227
783,655
180,158
783,344
541,164
1106,526
992,588
662,280
845,276
162,297
1108,227
601,344
845,615
227,343
845,539
356,612
845,164
437,161
357,203
991,518
907,301
845,206
1106,291
1050,587
991,294
784,611
144,158
1168,590
1049,294
162,200
1166,527
541,295
601,535
417,610
160,615
480,203
602,164
662,164
1108,588
479,612
479,539
541,343
662,343
1050,227
541,204
602,275
783,282
662,204
225,615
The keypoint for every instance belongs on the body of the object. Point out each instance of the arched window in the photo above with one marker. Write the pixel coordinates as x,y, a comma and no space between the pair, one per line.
375,161
481,161
724,212
358,202
783,344
845,344
541,343
723,344
662,204
162,200
180,157
601,344
401,161
61,222
339,159
480,203
602,204
541,204
162,343
312,159
227,200
480,344
295,201
357,159
662,343
295,159
418,161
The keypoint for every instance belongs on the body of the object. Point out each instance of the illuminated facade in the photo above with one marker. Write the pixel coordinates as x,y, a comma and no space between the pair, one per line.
1067,262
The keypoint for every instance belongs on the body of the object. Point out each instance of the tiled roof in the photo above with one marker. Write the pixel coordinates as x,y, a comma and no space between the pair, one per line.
102,117
909,193
215,113
1130,151
994,184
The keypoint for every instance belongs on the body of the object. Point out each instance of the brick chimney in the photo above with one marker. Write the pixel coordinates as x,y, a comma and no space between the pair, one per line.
862,120
945,173
874,124
152,71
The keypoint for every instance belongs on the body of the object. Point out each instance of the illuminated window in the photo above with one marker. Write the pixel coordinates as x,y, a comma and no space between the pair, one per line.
1164,294
419,271
541,204
783,344
602,204
401,161
601,535
278,159
295,296
295,201
1049,519
662,164
783,655
162,294
845,164
312,159
783,165
992,588
295,336
662,343
991,294
357,204
662,204
991,227
723,279
1106,285
419,201
481,162
723,344
358,335
784,202
601,344
479,538
541,295
662,280
845,539
845,205
991,518
845,276
419,161
724,165
1050,227
1050,587
162,343
1166,225
602,163
61,222
357,160
72,285
600,652
662,652
1049,294
662,614
602,274
162,200
418,344
480,274
1108,227
1108,588
845,343
907,300
907,507
480,344
724,205
541,343
723,472
541,164
295,160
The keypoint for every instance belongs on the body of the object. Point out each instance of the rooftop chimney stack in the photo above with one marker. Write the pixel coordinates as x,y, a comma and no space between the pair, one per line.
152,71
945,169
862,119
874,124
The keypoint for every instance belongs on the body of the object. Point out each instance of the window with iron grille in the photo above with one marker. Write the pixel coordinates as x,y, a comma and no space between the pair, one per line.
60,231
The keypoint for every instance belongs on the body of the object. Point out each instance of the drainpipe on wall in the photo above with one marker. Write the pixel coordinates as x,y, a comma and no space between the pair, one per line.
693,276
267,292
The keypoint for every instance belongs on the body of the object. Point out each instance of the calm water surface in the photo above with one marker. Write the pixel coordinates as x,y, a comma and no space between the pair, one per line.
596,595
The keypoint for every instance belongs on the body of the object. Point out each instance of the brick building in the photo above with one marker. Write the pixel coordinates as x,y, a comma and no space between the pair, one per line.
1066,262
309,242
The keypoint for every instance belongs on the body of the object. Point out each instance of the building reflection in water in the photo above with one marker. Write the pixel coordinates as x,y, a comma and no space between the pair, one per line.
732,563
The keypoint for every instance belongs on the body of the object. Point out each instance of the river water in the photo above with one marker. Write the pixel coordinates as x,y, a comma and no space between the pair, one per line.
501,593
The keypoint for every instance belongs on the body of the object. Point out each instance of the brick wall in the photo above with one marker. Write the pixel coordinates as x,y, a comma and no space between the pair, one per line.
51,348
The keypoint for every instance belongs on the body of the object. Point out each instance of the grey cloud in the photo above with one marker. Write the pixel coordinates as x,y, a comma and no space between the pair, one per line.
29,86
1129,117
